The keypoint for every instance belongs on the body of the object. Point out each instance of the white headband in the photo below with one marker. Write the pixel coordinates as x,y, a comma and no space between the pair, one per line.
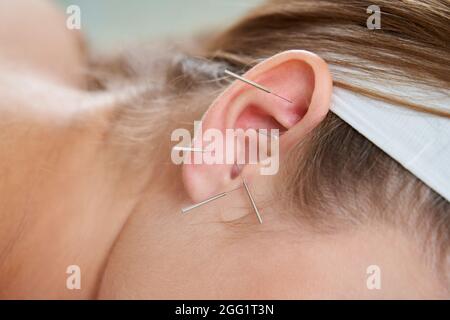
418,141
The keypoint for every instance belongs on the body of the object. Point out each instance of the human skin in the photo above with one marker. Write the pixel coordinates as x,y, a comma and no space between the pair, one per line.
65,200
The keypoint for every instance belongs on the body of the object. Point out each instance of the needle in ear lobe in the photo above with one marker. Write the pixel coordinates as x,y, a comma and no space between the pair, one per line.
223,194
252,201
254,84
217,196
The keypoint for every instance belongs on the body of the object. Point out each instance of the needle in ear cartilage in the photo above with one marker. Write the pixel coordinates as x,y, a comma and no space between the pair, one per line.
269,135
189,149
256,85
218,196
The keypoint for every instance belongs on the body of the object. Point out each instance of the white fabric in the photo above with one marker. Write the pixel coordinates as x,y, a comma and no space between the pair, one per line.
418,141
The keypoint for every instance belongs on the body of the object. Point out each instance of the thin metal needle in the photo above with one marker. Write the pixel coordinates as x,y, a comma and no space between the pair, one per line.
256,85
269,135
218,196
189,149
252,201
187,209
255,208
281,97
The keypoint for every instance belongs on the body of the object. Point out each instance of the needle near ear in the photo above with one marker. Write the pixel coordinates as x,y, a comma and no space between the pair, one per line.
256,85
252,201
218,196
189,149
223,194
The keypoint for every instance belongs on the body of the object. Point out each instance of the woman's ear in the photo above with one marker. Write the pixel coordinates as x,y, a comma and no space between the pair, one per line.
301,77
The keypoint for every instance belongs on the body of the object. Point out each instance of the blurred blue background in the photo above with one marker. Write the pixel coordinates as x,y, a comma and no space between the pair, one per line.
111,23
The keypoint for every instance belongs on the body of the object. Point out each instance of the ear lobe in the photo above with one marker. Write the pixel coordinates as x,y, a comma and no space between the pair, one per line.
299,76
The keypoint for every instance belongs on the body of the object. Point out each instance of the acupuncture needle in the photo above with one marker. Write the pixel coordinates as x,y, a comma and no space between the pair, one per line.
247,190
270,135
200,150
256,85
218,196
189,149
